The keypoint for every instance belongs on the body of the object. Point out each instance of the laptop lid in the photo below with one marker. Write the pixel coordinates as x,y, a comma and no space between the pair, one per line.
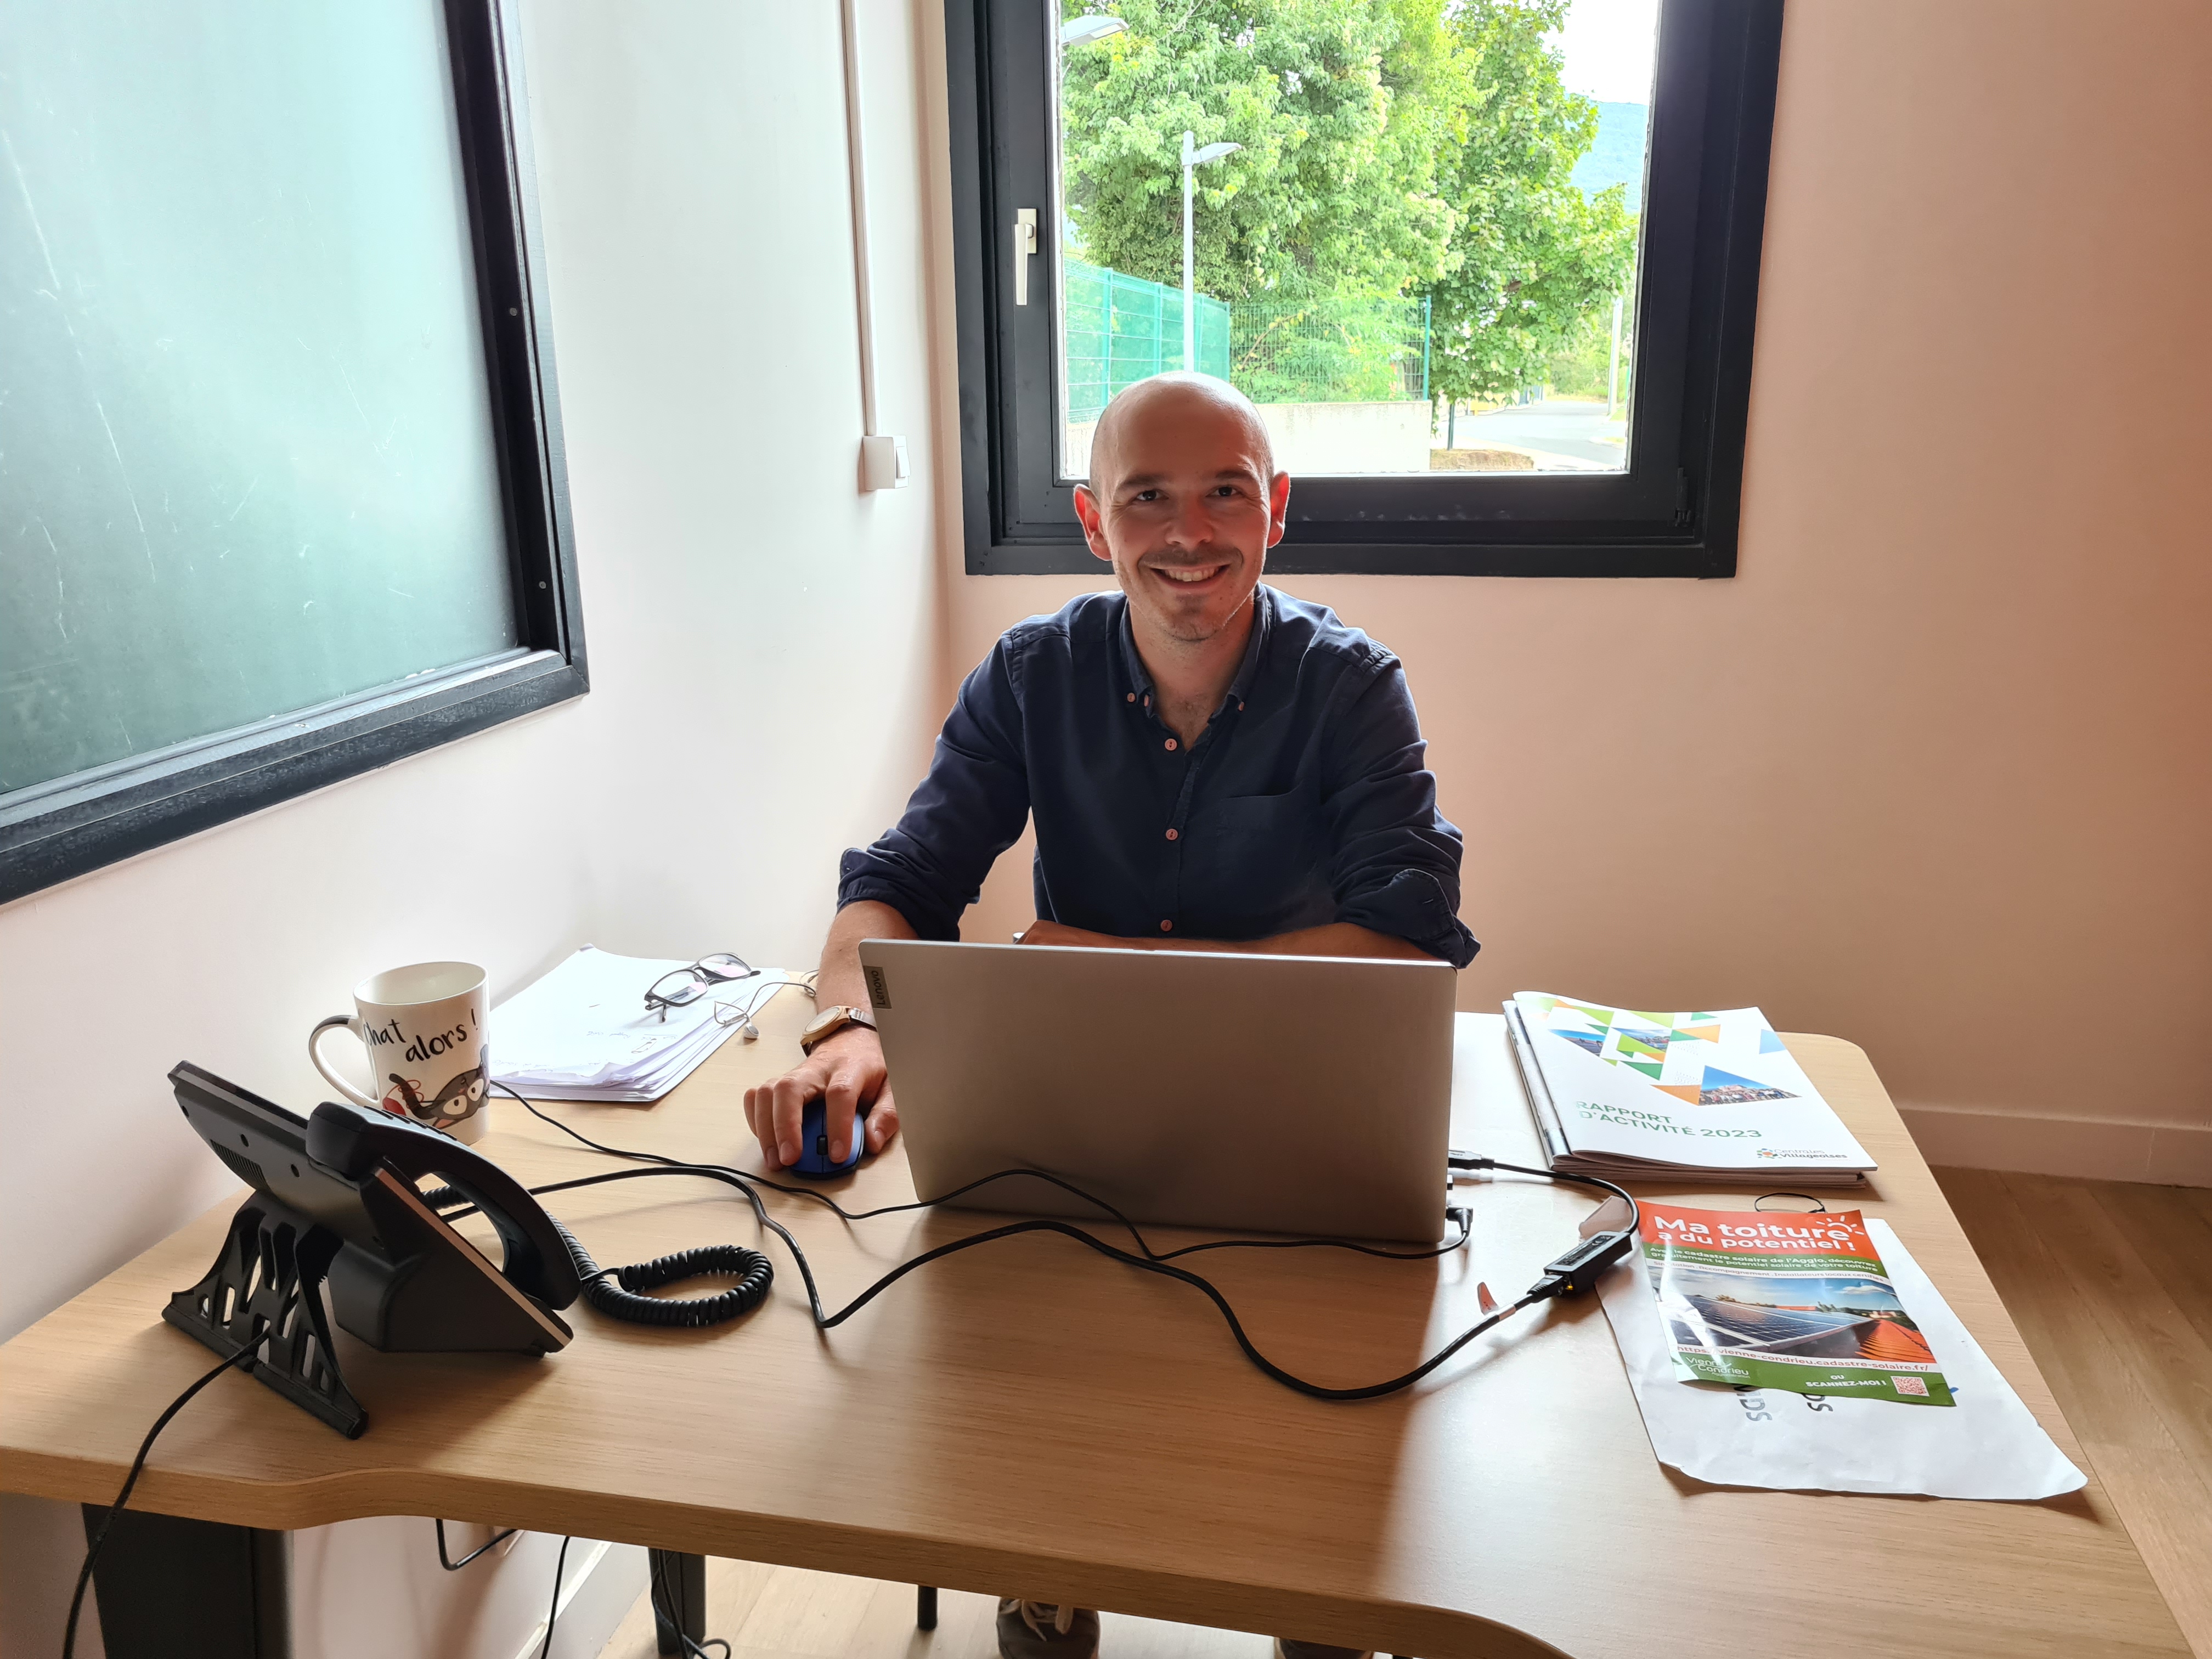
1300,1095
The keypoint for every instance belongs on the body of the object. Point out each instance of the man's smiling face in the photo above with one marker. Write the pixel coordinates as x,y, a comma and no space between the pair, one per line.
1185,502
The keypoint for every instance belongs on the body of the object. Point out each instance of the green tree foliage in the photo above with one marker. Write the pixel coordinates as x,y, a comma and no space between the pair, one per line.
1322,349
1391,148
1578,367
1335,190
1534,258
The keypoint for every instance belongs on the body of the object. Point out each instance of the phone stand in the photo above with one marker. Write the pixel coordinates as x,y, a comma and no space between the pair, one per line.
336,1210
266,1287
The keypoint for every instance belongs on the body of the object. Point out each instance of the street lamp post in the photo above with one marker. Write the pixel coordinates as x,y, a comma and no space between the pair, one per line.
1613,364
1192,160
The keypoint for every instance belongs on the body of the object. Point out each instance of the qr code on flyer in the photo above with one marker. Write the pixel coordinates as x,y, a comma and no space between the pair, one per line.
1910,1384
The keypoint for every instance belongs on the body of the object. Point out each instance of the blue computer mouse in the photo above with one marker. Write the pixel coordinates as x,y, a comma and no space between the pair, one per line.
814,1160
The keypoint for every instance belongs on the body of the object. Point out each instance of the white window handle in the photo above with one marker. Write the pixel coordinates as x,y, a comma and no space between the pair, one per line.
1024,246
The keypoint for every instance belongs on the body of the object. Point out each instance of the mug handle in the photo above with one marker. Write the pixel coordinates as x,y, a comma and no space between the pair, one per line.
351,1022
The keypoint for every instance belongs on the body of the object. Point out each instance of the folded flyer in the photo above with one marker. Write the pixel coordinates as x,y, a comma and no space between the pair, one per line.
1987,1445
1785,1300
1628,1092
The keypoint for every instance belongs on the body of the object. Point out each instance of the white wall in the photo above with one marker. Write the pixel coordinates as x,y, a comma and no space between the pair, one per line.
763,643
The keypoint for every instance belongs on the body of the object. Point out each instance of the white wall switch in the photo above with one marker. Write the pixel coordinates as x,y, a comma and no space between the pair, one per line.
883,463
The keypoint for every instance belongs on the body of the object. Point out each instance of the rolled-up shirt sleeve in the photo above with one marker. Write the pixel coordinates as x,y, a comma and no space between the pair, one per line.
930,866
1394,859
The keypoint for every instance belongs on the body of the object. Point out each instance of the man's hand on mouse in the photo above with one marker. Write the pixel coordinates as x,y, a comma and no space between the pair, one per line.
846,1070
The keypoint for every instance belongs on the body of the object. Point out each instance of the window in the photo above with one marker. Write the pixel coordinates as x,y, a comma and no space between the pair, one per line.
281,496
1488,267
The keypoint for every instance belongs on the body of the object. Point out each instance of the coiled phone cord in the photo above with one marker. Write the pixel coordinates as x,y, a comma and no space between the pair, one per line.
618,1292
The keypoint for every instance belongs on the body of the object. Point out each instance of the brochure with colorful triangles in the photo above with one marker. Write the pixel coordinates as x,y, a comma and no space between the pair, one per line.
1715,1094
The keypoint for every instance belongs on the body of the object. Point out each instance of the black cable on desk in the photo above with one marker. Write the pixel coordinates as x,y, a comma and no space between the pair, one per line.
1150,1262
830,1203
1575,1271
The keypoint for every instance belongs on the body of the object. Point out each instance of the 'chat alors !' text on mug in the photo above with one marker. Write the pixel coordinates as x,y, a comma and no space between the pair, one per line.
424,1027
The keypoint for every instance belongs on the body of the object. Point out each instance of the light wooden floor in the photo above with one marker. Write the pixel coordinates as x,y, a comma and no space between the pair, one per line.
786,1612
2110,1282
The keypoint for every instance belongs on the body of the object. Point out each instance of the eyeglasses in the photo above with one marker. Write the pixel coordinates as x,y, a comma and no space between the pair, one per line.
687,985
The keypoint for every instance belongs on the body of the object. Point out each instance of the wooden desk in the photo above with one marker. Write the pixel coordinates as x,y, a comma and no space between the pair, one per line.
1030,1419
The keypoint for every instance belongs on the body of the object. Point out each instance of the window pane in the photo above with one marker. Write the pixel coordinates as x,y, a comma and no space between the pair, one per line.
1415,225
246,455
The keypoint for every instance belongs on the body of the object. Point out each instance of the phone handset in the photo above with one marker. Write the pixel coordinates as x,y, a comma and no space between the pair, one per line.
351,1141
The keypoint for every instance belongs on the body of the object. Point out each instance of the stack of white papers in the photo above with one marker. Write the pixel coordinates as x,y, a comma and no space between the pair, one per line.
583,1031
1708,1097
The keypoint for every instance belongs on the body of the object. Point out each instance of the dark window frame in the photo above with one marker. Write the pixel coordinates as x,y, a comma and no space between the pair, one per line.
71,825
1673,513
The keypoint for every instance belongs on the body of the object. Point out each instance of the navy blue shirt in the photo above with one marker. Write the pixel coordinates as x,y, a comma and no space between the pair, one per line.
1305,801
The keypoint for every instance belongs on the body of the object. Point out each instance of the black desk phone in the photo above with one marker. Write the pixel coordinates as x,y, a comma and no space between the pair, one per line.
336,1203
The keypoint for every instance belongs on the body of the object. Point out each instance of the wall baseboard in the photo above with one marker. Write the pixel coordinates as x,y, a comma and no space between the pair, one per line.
2165,1154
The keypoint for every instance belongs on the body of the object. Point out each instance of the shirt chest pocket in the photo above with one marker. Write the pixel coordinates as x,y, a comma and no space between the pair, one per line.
1268,843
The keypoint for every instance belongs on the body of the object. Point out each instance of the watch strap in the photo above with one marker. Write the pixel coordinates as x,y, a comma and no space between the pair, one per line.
829,1022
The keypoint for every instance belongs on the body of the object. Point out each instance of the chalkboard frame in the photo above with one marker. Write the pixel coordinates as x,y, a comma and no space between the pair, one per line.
74,824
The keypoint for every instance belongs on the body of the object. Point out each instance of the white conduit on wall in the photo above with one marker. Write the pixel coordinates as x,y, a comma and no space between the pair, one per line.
883,460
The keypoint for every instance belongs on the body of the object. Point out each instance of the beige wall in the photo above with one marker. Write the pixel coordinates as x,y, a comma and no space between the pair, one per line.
1933,772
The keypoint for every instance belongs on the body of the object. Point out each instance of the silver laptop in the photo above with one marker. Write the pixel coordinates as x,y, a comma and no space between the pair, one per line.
1301,1095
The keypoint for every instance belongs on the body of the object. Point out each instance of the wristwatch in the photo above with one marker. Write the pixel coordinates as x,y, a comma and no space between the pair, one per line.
829,1022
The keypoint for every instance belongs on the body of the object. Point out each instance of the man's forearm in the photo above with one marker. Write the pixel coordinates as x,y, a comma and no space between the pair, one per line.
1336,939
840,980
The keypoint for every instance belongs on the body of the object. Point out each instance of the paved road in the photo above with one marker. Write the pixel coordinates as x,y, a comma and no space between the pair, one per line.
1555,426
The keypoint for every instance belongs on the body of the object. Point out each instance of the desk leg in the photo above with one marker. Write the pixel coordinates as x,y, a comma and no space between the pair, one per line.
173,1588
925,1608
679,1586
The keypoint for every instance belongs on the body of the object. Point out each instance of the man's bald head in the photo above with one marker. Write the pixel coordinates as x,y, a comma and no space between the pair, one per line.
1184,500
1182,402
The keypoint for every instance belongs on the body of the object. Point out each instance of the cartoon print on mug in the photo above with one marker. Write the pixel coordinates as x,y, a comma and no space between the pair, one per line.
460,1099
403,1098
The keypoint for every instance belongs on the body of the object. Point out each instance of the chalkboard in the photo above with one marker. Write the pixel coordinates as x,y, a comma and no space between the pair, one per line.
248,464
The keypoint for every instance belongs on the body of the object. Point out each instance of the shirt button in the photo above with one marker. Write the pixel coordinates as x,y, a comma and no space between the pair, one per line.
1167,927
1171,743
1173,835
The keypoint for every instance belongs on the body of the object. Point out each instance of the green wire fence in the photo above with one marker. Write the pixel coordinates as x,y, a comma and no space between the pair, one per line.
1121,329
1330,350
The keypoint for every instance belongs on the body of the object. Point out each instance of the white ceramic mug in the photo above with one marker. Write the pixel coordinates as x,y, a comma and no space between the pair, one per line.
424,1027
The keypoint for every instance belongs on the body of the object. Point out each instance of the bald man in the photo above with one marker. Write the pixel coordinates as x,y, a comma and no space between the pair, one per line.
1212,765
